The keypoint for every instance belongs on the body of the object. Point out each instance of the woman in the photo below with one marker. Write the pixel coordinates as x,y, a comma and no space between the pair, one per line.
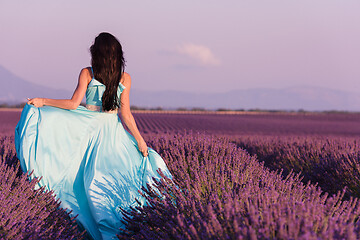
84,154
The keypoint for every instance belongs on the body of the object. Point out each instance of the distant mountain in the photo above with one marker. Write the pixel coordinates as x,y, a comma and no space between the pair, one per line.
16,90
295,98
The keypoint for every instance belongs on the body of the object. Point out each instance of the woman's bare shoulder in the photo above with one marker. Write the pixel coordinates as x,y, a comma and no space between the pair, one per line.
86,74
126,80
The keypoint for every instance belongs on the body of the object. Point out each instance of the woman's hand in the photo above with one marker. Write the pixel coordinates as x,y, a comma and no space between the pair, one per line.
143,147
37,102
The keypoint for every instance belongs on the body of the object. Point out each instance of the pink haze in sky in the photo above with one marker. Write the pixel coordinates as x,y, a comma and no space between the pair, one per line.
195,46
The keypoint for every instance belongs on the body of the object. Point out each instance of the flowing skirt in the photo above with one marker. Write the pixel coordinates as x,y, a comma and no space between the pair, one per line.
89,160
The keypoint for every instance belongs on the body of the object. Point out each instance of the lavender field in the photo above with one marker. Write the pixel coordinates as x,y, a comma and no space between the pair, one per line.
236,176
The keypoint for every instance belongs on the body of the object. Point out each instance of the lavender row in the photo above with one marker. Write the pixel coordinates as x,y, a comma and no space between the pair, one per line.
219,191
332,163
268,124
26,212
280,124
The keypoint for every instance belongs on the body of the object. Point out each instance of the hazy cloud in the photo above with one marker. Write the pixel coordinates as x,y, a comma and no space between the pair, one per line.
199,53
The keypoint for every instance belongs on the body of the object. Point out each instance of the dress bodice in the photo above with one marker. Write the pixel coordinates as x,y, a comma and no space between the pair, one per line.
96,89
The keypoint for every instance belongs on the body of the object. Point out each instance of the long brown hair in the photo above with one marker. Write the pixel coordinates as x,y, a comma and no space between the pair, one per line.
107,60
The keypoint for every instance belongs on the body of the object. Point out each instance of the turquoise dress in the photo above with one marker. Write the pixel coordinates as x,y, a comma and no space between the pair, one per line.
88,159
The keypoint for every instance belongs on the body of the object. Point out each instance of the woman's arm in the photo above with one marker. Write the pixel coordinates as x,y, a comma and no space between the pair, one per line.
72,103
128,117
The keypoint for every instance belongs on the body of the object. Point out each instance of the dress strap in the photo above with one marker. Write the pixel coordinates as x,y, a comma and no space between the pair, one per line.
92,72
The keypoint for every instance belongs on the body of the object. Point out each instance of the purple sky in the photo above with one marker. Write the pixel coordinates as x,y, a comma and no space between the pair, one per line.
203,45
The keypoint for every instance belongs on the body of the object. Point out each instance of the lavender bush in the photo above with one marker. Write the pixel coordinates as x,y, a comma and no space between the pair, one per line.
221,192
8,153
333,163
26,213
